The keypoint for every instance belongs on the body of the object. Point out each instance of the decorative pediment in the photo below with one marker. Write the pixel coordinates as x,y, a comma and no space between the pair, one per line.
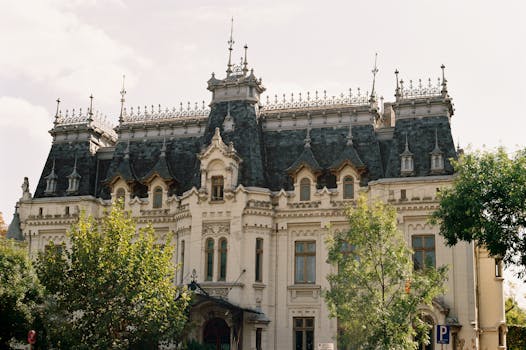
161,169
305,160
218,149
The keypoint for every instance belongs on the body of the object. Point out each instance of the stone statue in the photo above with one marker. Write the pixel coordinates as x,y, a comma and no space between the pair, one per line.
25,189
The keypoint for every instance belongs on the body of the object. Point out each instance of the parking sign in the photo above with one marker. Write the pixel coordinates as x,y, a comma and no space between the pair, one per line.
442,334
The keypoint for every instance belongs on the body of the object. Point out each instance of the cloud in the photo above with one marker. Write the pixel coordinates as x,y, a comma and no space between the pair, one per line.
49,43
24,145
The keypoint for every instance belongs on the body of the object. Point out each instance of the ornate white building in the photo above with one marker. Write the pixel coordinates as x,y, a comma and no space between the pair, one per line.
249,188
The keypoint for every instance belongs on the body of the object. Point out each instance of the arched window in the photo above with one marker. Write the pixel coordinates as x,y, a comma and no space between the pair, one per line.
120,195
259,259
222,259
217,188
348,187
157,197
305,189
182,262
209,257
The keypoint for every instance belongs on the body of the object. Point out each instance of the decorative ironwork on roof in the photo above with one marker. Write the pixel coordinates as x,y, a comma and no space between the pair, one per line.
420,90
84,117
153,114
315,102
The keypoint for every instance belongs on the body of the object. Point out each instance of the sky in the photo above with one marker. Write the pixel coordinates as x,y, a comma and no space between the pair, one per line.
168,49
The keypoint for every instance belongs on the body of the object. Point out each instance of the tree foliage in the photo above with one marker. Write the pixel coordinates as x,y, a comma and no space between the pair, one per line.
375,294
112,288
487,204
515,315
20,292
3,226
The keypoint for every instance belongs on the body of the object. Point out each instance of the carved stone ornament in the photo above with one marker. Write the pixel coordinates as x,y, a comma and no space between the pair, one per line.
25,189
216,229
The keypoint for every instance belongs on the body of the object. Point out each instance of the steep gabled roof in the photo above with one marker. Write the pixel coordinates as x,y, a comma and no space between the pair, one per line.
348,156
14,231
306,158
161,168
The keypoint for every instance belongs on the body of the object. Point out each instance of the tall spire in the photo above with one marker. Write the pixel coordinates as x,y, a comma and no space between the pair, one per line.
397,91
163,149
307,138
127,151
349,135
230,47
90,112
374,71
123,92
245,63
444,82
57,112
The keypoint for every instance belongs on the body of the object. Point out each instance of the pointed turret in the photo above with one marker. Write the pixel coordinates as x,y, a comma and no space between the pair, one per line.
14,231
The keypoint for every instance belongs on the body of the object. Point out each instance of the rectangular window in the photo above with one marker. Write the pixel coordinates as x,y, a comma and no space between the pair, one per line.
403,195
258,338
66,211
305,262
40,211
209,265
303,333
217,188
424,251
259,259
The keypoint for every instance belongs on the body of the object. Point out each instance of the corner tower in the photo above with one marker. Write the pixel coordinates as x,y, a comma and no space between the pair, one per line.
235,111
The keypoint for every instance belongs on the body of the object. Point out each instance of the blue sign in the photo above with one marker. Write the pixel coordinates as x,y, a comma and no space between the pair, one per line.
442,334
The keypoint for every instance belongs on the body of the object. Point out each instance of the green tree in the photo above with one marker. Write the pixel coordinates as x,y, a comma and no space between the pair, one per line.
112,288
516,322
487,204
3,226
375,293
20,292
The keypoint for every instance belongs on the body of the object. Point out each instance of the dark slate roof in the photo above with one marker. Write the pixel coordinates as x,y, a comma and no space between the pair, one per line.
349,154
64,156
306,158
421,139
162,169
14,231
266,155
246,136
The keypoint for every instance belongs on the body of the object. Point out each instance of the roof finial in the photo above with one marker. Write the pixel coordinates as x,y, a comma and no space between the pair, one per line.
245,63
444,81
349,136
163,148
90,112
123,92
127,151
374,71
397,91
56,113
230,44
307,138
406,144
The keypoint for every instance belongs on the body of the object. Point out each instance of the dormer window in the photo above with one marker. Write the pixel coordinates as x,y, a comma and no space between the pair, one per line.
217,188
407,166
437,157
157,197
51,181
305,189
348,187
73,180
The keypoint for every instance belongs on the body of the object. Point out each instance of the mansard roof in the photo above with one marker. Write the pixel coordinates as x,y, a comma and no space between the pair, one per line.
270,140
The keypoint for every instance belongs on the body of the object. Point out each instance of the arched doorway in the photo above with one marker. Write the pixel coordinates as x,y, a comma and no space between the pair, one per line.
217,333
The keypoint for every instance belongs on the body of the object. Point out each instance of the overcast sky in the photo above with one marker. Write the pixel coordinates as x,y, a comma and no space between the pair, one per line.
167,50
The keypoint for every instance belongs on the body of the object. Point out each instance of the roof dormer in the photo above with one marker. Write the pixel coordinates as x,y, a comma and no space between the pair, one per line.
219,164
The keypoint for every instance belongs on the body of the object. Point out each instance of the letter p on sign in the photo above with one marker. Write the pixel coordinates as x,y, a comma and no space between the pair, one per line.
442,334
